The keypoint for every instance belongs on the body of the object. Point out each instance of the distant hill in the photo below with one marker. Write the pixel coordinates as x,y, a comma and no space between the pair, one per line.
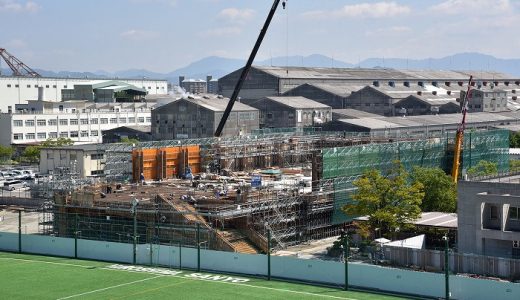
220,66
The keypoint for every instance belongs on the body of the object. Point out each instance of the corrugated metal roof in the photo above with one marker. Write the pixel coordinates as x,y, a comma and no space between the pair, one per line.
369,74
298,102
348,113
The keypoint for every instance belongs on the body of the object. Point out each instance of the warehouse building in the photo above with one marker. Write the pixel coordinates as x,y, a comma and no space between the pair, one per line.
285,112
425,124
196,117
106,91
17,90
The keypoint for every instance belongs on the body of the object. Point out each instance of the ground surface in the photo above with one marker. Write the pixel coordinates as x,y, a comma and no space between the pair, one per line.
40,277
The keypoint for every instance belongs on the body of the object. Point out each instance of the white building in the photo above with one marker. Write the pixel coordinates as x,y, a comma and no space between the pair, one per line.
82,121
86,160
17,90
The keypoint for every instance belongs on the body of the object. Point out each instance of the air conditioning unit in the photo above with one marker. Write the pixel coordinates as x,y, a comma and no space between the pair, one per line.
516,244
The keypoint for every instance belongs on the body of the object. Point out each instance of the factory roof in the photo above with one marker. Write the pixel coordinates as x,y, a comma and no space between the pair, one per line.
369,74
211,102
425,120
297,102
348,113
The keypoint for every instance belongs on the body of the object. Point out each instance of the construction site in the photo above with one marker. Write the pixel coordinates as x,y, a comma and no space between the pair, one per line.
233,193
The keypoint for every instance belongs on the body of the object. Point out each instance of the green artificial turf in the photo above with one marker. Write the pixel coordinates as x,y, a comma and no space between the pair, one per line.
39,277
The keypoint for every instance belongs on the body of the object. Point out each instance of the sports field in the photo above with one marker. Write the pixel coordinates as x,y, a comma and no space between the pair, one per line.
39,277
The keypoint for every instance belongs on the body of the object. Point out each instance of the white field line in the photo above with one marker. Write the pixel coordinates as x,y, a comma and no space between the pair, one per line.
110,287
200,279
45,262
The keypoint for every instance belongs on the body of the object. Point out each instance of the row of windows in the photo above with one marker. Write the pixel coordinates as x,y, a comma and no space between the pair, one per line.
54,122
36,86
514,213
53,135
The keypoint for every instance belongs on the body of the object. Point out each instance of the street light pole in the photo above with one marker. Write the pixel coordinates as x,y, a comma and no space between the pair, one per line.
446,267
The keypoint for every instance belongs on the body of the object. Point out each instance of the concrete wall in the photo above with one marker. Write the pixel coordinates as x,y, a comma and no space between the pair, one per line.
360,275
476,233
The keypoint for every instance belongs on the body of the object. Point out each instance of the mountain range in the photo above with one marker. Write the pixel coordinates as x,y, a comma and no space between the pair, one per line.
220,66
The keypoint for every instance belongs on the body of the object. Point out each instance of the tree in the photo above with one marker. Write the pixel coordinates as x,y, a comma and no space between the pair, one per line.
514,165
59,142
6,153
130,141
391,201
483,168
440,192
31,154
514,140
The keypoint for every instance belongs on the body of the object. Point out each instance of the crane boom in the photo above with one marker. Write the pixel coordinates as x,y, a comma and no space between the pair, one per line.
17,66
246,69
459,137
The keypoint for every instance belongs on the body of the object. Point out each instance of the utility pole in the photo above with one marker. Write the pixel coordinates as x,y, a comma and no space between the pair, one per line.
268,254
345,244
446,266
135,202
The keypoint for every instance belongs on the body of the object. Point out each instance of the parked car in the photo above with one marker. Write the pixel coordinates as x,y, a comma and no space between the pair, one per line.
14,184
27,174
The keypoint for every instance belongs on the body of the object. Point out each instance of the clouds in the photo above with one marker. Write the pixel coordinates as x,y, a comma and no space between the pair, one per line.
236,15
18,6
481,7
140,35
363,10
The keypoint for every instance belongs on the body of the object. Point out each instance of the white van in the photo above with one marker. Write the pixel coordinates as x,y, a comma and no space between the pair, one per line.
12,185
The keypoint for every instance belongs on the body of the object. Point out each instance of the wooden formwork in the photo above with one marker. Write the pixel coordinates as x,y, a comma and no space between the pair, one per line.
163,163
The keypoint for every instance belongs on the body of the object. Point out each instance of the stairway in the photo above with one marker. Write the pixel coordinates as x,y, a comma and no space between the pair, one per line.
239,242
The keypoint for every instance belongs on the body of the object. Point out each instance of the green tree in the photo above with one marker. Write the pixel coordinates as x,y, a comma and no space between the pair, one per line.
6,153
59,142
440,193
483,168
130,141
390,201
514,165
31,154
514,140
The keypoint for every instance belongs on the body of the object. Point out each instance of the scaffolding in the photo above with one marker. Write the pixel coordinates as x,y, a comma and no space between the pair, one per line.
344,165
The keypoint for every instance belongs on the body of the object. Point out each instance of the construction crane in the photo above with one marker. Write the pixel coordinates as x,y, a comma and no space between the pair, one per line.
17,66
247,67
459,137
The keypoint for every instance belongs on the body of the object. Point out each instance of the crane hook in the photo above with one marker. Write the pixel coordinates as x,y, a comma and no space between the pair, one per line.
283,4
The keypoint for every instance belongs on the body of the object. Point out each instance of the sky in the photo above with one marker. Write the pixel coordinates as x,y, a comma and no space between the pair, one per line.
164,35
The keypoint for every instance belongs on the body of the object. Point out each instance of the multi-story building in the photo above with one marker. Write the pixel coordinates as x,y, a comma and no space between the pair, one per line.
487,99
196,117
81,121
489,217
17,90
284,112
82,160
194,86
212,84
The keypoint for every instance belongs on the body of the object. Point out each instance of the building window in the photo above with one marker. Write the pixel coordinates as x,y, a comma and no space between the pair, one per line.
122,120
96,156
94,133
47,86
28,85
8,85
42,135
140,120
53,135
65,86
29,122
53,86
148,119
113,120
84,121
96,172
104,121
493,212
64,134
514,213
73,134
36,86
131,120
94,121
60,108
41,122
49,156
16,85
30,136
84,133
17,123
269,115
73,121
52,122
18,136
73,156
64,122
63,156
